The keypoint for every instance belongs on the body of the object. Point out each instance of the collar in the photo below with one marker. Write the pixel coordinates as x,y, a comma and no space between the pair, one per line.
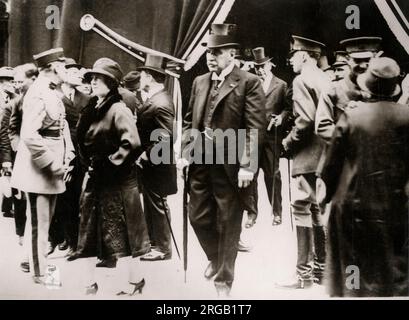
310,68
267,81
225,72
154,90
43,81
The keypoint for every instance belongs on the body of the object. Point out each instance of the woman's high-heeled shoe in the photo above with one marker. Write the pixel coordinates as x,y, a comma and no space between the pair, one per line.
92,289
138,286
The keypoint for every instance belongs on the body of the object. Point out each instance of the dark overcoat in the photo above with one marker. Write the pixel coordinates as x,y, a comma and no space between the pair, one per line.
157,115
366,173
112,221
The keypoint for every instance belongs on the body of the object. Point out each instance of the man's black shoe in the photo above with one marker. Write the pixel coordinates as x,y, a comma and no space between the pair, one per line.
107,263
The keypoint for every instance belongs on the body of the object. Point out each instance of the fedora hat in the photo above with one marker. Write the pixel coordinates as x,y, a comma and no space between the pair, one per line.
260,56
222,35
131,80
304,44
362,47
106,67
46,57
381,78
154,63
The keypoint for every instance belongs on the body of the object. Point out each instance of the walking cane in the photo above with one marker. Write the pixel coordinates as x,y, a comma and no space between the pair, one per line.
289,194
170,227
274,171
185,219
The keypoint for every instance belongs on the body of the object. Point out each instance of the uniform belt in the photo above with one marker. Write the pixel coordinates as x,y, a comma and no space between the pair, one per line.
51,133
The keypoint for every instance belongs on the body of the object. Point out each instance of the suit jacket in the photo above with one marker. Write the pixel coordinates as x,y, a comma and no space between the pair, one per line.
72,112
15,122
366,172
158,113
240,105
277,104
302,142
6,154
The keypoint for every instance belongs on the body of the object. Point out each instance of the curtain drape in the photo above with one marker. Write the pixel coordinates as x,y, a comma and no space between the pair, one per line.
152,23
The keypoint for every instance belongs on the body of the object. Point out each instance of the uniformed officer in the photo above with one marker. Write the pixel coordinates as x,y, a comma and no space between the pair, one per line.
340,66
334,100
306,149
43,154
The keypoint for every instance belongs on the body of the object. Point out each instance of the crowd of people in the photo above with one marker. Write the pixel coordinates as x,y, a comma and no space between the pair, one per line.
76,148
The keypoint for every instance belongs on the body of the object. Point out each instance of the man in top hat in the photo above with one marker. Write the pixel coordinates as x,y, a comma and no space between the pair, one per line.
334,100
158,175
277,112
65,222
306,149
366,173
225,100
43,154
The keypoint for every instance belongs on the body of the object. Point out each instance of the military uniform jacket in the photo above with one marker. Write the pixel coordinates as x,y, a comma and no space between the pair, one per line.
240,105
158,113
366,172
45,139
332,104
305,146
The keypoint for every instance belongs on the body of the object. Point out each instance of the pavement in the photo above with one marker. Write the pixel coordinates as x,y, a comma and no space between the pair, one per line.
271,260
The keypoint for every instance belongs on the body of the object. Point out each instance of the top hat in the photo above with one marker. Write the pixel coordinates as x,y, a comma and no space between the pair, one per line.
340,59
362,47
381,78
7,73
154,63
46,57
305,44
259,56
106,67
222,35
71,63
131,80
